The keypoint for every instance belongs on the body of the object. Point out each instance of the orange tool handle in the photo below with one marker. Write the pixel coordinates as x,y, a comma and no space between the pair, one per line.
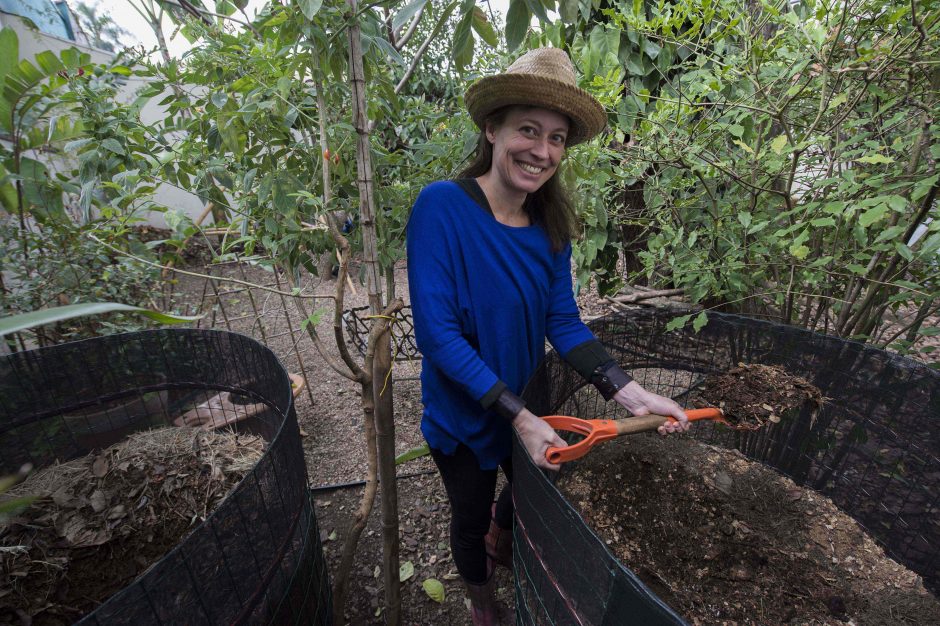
596,431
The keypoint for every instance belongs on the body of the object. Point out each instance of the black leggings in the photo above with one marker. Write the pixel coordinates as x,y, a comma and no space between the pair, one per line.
470,491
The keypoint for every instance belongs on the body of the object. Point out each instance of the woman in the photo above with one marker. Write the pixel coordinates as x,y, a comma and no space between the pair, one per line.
490,279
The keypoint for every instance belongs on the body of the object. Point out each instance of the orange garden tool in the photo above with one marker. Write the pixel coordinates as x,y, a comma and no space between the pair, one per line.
596,431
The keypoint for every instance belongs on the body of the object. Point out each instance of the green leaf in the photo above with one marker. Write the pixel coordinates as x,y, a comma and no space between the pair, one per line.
904,251
778,144
414,453
219,98
463,41
310,7
407,14
314,318
483,27
875,158
434,588
9,53
568,10
24,321
406,571
745,218
49,62
517,23
872,215
677,322
699,322
799,251
743,146
538,10
113,145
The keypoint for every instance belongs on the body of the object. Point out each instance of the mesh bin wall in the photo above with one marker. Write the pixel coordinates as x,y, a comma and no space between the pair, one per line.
873,449
257,559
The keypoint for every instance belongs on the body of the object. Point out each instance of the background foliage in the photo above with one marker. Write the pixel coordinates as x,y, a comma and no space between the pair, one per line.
768,158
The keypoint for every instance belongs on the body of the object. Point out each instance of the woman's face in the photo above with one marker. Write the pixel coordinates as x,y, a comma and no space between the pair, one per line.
527,147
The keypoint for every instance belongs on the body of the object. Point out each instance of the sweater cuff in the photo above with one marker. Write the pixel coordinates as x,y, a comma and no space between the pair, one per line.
502,401
609,378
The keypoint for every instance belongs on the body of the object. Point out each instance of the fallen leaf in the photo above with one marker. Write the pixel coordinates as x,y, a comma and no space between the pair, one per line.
774,418
99,467
434,588
98,501
406,571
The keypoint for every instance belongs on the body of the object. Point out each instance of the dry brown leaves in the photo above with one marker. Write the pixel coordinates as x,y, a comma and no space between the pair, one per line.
132,502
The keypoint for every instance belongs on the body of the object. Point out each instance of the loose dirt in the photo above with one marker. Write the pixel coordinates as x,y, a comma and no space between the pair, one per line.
101,520
722,539
752,395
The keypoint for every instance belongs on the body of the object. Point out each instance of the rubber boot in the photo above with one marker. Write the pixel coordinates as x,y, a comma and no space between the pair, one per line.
483,608
499,543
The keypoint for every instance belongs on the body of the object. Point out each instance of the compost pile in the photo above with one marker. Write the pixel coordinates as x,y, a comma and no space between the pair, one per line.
722,539
752,395
101,520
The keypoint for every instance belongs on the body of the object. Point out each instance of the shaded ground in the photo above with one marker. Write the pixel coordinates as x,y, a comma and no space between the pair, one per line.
725,540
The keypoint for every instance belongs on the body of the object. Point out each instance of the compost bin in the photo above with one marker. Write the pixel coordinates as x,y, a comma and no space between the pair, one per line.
257,557
871,449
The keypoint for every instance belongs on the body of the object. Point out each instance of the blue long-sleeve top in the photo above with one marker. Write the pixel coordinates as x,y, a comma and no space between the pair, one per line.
484,297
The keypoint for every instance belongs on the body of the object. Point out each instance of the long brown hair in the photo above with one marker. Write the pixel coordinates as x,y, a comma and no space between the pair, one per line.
549,206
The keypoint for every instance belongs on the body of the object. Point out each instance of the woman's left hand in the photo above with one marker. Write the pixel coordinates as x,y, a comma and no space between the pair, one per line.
639,401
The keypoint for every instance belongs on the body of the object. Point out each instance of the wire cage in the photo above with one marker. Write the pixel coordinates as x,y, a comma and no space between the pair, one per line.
257,559
882,411
404,347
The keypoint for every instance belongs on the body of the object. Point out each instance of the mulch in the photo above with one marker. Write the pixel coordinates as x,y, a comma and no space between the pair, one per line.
101,520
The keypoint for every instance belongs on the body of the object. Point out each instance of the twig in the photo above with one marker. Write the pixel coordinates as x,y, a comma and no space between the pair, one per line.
206,276
646,295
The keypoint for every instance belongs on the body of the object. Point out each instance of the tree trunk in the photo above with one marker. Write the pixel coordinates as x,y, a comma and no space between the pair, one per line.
379,339
385,447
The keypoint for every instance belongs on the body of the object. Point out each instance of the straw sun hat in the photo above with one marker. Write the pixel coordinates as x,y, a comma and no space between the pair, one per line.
544,78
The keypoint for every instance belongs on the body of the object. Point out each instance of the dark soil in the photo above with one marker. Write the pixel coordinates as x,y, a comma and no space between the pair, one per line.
752,395
100,521
722,539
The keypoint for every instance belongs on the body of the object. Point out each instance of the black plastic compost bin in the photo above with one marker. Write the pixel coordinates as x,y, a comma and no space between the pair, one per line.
881,410
257,559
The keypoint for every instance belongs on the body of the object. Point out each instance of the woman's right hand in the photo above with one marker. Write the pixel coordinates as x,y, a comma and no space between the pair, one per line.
537,436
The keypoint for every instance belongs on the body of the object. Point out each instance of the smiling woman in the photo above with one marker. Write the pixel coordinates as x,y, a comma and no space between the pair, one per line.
489,271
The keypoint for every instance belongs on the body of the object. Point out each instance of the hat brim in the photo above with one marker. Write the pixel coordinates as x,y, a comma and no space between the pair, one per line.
495,92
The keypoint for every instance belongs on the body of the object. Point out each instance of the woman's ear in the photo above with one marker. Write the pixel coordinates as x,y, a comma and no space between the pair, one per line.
489,132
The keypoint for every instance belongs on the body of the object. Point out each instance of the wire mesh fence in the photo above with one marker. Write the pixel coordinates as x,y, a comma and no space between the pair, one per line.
872,449
257,558
404,348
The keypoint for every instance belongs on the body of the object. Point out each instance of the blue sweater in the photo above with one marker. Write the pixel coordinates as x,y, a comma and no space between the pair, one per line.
484,298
